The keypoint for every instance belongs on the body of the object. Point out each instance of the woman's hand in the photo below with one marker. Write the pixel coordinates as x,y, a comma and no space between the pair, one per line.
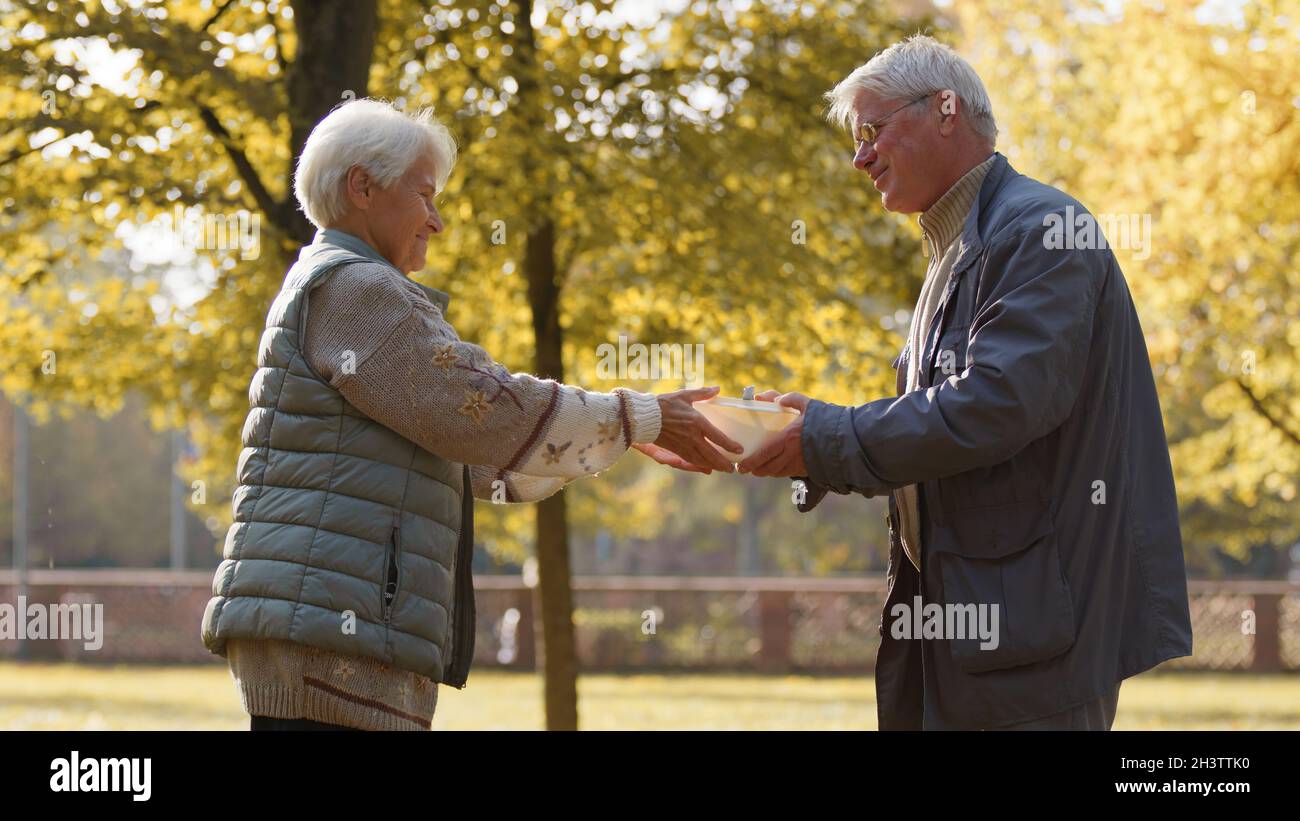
666,457
685,432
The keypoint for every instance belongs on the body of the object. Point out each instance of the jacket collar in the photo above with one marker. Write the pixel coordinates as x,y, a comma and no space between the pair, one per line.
943,221
970,245
353,243
969,248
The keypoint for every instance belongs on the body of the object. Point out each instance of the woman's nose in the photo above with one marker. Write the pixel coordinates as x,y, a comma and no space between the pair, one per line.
435,220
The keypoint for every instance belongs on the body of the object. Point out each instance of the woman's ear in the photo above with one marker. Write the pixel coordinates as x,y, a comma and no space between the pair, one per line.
358,187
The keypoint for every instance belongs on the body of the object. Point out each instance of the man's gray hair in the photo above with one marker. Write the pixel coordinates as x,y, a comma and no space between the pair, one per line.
374,135
909,69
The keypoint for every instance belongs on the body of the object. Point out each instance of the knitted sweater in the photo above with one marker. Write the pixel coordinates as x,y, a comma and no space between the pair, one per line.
377,337
942,224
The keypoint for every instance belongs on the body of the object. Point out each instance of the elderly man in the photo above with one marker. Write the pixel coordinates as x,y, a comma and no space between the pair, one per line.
345,596
1029,478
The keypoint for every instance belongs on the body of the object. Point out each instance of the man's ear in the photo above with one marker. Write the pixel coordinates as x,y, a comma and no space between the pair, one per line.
949,105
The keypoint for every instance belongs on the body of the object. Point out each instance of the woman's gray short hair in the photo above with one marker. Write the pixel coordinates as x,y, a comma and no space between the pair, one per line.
374,135
909,69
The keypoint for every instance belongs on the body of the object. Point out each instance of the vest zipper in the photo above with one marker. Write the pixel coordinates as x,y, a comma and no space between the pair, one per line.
456,672
392,572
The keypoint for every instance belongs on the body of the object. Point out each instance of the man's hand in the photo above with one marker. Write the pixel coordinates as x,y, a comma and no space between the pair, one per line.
684,431
783,456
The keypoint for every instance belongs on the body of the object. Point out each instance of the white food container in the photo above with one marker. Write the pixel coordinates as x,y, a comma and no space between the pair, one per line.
749,422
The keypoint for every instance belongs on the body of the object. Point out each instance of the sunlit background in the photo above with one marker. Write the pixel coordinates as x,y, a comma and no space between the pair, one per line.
674,161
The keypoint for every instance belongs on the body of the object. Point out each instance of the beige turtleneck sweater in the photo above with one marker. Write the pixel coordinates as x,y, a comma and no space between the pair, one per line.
941,224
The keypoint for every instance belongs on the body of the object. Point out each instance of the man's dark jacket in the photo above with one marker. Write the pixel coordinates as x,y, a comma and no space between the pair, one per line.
1036,440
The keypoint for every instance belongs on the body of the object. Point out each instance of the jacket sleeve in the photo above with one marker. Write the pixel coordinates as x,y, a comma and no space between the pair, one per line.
813,494
1026,358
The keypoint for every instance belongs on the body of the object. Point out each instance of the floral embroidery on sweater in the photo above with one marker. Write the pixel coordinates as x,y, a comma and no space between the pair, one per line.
554,454
453,388
476,405
609,430
446,357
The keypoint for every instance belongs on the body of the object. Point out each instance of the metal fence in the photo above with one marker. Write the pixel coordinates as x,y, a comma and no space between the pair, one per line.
745,624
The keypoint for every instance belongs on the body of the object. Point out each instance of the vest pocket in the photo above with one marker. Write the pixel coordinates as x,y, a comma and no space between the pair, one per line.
392,572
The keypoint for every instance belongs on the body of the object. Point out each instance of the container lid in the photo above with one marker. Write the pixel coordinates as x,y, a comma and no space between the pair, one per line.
749,404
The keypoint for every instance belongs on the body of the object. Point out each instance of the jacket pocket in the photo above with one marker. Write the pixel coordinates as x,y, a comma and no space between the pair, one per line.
1006,600
1020,481
392,572
900,371
949,355
891,573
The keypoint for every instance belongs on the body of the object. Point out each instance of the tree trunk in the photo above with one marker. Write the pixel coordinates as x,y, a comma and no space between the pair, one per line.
748,531
336,43
557,653
560,663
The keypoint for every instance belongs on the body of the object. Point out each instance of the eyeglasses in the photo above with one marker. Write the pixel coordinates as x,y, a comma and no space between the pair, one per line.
868,132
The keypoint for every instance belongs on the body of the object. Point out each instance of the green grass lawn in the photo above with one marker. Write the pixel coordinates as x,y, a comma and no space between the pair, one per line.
73,697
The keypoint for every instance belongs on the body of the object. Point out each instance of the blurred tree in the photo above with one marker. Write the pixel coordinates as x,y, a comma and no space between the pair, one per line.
98,492
670,179
1187,113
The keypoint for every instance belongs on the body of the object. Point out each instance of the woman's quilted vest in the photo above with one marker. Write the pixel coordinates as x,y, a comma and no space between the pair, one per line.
346,535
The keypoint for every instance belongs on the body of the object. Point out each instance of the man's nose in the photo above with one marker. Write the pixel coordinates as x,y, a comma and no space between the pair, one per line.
866,154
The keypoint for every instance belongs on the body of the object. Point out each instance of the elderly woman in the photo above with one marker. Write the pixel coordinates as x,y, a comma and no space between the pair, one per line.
345,595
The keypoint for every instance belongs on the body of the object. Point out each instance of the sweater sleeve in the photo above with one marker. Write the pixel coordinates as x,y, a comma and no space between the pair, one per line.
507,486
378,339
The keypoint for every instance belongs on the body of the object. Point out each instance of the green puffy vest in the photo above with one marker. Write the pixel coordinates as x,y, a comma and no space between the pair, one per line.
346,536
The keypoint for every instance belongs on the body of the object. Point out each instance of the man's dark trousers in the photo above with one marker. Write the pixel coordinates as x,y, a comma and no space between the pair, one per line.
900,679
